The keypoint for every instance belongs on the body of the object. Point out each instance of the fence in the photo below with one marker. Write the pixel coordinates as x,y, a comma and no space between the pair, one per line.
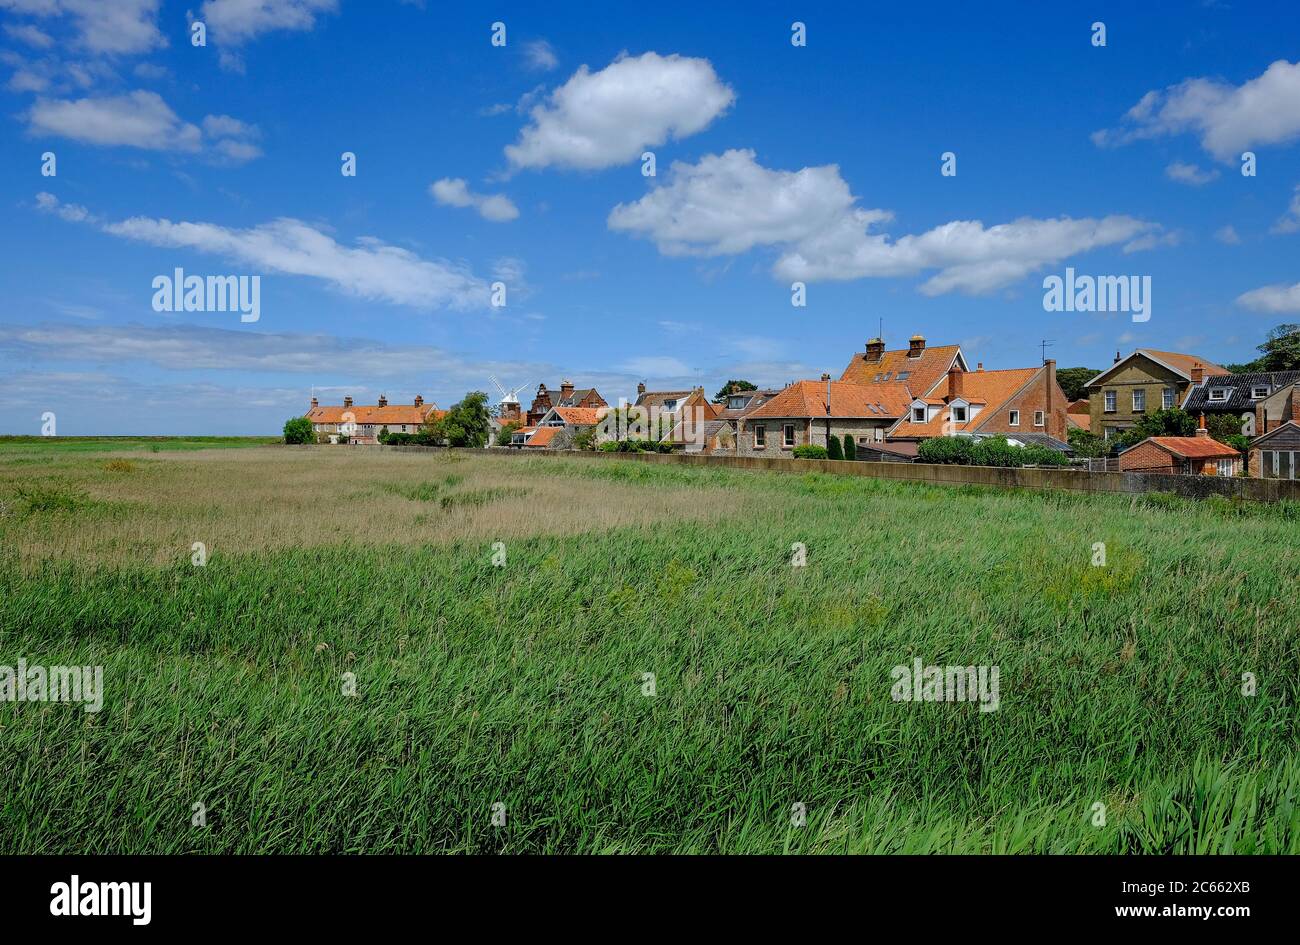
1074,480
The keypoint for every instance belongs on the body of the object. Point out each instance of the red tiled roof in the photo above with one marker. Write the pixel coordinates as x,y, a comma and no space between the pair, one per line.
543,436
1184,362
1191,447
391,413
808,399
922,372
1082,420
579,416
991,388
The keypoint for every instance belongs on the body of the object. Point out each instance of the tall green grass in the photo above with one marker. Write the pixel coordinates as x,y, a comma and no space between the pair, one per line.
523,685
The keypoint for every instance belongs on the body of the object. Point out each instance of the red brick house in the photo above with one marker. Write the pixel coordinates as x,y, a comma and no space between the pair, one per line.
363,423
567,397
806,412
1182,455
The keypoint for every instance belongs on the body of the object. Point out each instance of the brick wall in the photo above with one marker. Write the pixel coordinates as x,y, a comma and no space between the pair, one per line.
1148,456
1031,399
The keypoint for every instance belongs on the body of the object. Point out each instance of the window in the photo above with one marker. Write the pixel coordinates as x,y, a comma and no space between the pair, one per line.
1039,418
1218,393
903,375
958,414
880,435
876,379
1224,467
918,415
1257,393
1139,400
1013,418
760,437
1167,397
886,377
1267,465
1110,401
737,403
787,435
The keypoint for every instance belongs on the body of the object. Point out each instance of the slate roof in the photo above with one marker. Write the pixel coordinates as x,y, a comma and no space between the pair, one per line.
1198,398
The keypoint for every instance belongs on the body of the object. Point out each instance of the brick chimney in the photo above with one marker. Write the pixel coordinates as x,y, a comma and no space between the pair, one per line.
315,402
640,388
875,350
1200,430
347,401
566,389
916,346
979,365
383,401
954,382
1198,373
419,400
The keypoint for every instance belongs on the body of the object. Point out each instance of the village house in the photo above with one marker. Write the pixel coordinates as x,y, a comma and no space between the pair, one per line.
1275,452
1026,405
362,423
568,396
1197,455
1145,381
1238,395
810,412
918,367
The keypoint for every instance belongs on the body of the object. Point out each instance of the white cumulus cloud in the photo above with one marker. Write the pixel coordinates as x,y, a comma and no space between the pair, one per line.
454,192
1272,299
1227,118
1190,174
729,203
106,27
601,119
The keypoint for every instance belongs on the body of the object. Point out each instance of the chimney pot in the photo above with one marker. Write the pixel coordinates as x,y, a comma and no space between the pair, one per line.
640,388
1198,373
916,346
419,400
1201,430
315,402
979,365
1117,357
875,349
383,401
347,401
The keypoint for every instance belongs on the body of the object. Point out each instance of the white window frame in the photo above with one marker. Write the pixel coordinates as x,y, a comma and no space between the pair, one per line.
1255,392
962,418
918,419
760,436
1219,394
1223,467
1040,418
1168,398
1013,418
1139,393
1110,402
787,436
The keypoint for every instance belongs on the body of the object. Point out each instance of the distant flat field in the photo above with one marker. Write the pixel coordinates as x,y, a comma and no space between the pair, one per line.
624,659
32,445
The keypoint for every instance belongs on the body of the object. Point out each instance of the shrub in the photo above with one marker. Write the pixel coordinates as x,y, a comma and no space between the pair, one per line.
297,430
507,430
833,450
383,435
611,446
850,447
810,451
945,450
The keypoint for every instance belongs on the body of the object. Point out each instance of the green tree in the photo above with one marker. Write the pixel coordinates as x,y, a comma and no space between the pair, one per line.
850,447
1279,352
833,450
1171,422
1223,425
503,437
465,424
1087,444
298,430
1072,380
733,387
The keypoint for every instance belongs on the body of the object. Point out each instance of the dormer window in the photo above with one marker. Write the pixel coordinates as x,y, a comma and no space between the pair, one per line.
959,414
1218,393
1257,393
918,415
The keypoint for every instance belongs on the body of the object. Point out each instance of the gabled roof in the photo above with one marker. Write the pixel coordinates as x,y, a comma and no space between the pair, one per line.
542,436
1189,447
577,416
1081,420
756,399
575,397
992,388
656,398
1177,362
856,401
391,413
1263,437
921,373
1239,385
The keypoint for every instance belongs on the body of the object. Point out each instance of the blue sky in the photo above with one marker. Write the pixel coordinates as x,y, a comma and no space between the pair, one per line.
521,164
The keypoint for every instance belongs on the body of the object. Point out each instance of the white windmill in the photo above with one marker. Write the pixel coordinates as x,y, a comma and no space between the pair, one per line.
509,402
